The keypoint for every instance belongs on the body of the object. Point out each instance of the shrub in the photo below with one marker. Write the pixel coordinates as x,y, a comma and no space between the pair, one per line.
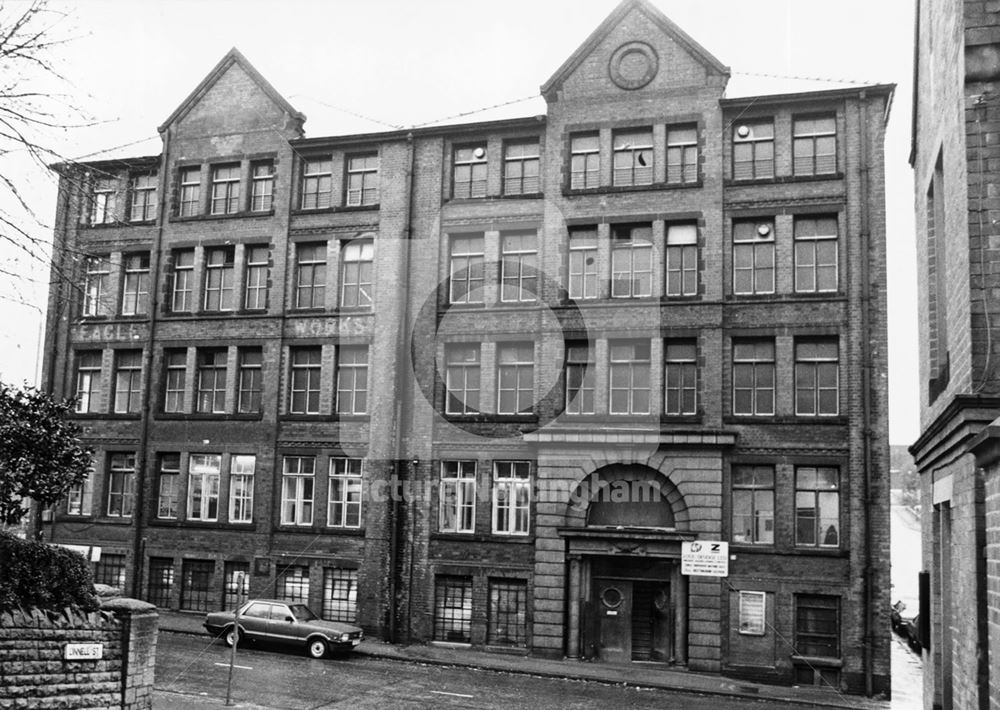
33,574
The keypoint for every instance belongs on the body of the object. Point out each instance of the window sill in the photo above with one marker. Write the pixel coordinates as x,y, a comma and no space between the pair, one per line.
343,532
490,418
789,551
781,179
479,538
308,417
203,416
784,419
784,297
214,217
305,211
681,418
201,524
617,189
817,661
107,415
522,196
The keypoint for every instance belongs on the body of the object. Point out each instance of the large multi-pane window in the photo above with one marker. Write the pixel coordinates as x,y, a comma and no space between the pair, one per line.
682,260
344,505
204,473
249,387
521,168
453,609
317,183
817,506
518,277
629,377
511,497
121,484
362,180
583,263
226,189
682,154
580,377
168,486
262,186
241,472
753,504
753,150
196,584
211,395
469,172
292,584
753,257
340,594
631,260
633,158
352,379
585,161
817,380
255,278
814,145
815,254
298,478
817,625
182,290
80,497
310,275
457,495
88,381
462,378
681,377
97,287
104,201
143,189
508,613
466,270
356,274
128,381
190,197
220,271
161,581
235,584
135,285
174,380
110,570
515,378
306,367
753,377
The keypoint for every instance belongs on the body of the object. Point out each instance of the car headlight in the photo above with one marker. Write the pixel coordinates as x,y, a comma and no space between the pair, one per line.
345,637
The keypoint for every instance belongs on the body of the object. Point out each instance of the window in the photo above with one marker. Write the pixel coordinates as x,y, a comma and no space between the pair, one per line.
511,497
169,485
814,146
340,594
128,381
212,381
219,272
753,150
241,471
344,509
631,261
262,186
585,162
752,613
753,377
508,613
298,478
356,274
458,496
250,381
515,378
190,191
518,278
317,183
196,584
633,158
817,625
110,570
97,287
305,373
181,299
453,609
292,584
174,380
580,378
362,180
143,198
753,504
88,381
135,288
121,482
817,506
161,581
629,377
583,263
520,168
104,203
204,471
255,296
682,154
235,584
466,282
817,378
79,497
226,189
462,379
753,257
469,174
682,260
310,275
815,254
352,379
681,377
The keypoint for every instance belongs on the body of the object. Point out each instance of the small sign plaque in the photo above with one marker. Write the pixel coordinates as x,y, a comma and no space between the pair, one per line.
83,651
705,558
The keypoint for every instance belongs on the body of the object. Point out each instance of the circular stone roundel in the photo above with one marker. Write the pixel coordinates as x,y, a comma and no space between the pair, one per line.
633,65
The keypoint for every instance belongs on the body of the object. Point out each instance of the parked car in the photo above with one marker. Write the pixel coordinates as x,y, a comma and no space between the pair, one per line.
277,621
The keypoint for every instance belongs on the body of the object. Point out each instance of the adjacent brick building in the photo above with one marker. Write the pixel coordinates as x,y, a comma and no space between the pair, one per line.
477,384
956,126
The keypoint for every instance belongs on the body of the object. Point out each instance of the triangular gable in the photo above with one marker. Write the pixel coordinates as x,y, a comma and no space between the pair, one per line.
233,56
700,54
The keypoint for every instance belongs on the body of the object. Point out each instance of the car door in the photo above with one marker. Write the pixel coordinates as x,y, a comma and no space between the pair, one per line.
253,620
281,626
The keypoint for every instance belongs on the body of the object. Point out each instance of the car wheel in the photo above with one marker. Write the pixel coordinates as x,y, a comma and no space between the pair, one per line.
232,636
317,648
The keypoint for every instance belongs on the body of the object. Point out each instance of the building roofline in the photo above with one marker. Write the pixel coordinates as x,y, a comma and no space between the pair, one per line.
133,161
888,90
477,127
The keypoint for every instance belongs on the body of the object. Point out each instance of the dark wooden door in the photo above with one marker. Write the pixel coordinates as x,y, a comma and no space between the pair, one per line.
614,611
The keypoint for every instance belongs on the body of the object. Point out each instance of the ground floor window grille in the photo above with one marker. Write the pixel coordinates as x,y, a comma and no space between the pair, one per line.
161,581
235,589
508,613
196,584
110,570
340,594
293,584
453,609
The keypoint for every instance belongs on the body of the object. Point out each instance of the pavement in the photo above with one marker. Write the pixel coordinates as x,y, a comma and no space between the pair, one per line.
636,675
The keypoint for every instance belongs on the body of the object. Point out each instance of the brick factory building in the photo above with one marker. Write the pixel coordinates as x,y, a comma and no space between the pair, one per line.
477,384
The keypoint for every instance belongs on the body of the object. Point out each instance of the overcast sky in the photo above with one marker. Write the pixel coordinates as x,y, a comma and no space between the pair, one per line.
369,65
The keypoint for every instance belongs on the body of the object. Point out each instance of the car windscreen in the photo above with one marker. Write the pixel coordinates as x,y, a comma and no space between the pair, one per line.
302,612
